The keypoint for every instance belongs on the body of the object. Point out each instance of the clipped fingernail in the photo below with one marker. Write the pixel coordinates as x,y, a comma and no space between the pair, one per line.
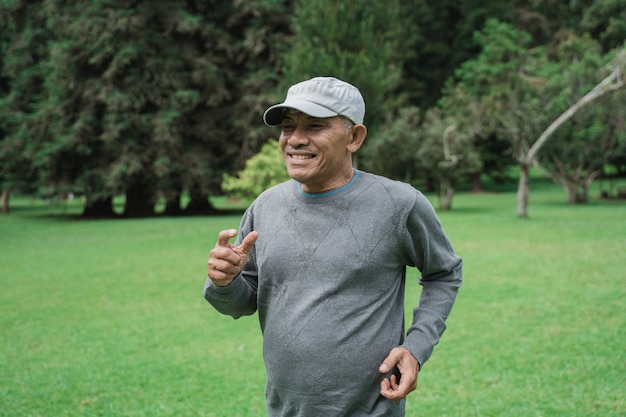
383,368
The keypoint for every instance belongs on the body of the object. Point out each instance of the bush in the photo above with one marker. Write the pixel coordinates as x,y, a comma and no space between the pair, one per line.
262,171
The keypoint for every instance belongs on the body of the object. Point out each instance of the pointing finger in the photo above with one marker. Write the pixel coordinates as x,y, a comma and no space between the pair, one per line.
248,242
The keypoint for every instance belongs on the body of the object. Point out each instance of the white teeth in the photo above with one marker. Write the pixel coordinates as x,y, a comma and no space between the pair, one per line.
302,157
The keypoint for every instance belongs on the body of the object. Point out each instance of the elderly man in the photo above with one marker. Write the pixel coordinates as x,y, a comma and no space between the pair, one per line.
322,258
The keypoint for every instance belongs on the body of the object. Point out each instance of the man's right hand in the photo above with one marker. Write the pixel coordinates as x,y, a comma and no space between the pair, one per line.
227,261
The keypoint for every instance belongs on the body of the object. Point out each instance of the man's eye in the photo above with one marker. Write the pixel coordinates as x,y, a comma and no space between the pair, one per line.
318,126
287,127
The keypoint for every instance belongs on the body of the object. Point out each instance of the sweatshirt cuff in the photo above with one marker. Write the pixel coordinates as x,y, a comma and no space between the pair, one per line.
419,346
212,291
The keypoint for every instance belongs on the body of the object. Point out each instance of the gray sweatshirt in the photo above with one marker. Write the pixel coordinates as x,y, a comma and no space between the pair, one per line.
327,277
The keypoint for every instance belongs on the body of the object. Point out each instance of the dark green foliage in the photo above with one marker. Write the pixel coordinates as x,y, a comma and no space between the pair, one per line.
141,98
353,41
24,54
161,98
436,38
605,20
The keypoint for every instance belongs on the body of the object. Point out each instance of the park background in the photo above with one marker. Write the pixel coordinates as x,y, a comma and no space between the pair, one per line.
131,133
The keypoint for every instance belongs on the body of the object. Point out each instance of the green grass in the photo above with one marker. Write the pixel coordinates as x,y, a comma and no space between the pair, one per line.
106,318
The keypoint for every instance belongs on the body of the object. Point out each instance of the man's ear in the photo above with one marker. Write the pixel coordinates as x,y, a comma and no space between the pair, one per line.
359,132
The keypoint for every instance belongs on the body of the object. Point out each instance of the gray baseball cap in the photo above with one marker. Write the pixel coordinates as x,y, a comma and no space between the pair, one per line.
320,97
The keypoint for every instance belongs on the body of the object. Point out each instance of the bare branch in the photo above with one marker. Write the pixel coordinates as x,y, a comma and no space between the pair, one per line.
613,82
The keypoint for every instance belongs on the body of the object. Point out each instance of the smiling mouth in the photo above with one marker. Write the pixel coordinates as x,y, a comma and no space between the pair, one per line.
302,157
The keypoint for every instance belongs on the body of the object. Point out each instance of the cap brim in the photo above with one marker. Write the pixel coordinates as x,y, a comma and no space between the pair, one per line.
274,115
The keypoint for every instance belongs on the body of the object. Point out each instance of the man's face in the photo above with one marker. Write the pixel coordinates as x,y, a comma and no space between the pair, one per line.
317,152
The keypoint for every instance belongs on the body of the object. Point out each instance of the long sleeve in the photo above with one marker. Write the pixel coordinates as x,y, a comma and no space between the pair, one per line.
441,278
236,299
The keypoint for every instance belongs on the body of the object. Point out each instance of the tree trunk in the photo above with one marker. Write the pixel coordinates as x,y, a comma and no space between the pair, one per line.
583,194
5,201
576,188
477,185
577,193
172,206
99,208
199,203
572,194
139,202
446,192
523,190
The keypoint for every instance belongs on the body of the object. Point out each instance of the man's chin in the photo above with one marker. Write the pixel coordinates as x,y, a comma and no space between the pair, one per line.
297,174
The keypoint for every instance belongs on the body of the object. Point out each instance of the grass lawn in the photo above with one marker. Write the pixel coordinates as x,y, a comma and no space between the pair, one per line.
106,318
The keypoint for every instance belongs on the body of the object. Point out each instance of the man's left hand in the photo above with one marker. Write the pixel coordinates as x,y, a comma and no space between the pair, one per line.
409,368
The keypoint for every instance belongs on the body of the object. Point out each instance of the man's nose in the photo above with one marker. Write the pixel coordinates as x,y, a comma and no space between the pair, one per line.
298,137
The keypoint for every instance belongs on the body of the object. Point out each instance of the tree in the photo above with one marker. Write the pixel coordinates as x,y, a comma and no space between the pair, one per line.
435,38
449,154
605,20
357,44
429,147
584,135
4,89
22,74
124,90
262,171
489,90
616,164
514,90
143,98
